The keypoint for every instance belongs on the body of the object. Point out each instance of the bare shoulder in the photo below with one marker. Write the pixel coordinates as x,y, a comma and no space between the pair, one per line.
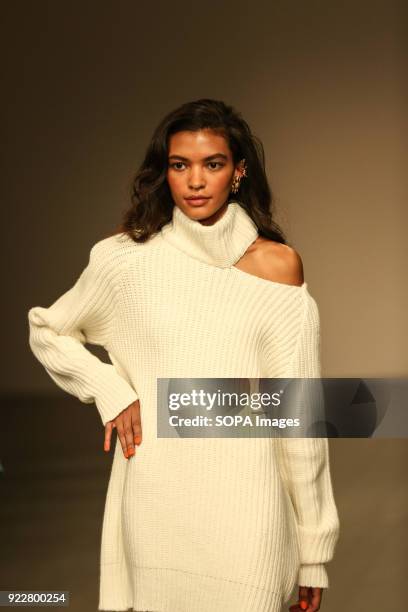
274,261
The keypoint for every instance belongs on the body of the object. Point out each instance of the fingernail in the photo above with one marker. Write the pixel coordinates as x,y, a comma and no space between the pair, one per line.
131,452
106,446
304,605
126,454
138,440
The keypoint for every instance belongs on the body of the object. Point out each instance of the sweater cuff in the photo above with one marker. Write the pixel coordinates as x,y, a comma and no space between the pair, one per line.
313,575
113,394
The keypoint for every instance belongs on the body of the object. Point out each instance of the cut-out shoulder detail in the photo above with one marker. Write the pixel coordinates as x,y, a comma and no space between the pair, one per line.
266,281
274,262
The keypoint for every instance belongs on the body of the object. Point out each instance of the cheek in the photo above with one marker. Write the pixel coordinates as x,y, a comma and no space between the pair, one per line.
220,180
175,181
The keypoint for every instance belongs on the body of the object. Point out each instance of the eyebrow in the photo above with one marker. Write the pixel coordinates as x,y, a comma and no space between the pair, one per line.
205,158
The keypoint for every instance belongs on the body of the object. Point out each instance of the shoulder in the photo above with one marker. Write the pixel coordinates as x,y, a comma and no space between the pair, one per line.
114,250
107,260
277,262
110,244
114,254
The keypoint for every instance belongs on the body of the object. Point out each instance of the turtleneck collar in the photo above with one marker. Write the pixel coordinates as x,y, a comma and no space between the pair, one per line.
221,244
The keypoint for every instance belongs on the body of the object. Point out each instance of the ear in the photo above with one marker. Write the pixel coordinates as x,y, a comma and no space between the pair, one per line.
241,168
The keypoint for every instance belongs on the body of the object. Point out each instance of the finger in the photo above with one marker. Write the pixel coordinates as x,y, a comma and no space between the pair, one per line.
121,433
136,422
315,600
127,428
304,598
108,434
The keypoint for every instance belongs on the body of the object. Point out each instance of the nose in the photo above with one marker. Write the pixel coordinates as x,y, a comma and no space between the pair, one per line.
195,179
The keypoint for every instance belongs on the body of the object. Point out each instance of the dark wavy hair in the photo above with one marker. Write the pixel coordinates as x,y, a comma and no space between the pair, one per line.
152,203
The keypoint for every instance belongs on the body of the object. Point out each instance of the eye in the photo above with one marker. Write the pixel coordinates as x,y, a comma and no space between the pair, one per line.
175,164
213,165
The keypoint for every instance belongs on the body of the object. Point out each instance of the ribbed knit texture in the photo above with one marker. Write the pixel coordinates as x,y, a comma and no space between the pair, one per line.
195,525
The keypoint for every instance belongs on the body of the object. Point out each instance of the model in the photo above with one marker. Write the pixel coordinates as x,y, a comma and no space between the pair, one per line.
198,282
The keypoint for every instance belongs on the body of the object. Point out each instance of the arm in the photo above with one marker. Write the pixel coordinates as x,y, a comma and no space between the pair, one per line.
85,313
305,468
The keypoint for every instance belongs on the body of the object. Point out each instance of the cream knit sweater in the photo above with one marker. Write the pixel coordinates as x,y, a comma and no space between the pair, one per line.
203,524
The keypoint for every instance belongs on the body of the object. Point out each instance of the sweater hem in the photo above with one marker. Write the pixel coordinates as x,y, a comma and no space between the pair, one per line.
153,589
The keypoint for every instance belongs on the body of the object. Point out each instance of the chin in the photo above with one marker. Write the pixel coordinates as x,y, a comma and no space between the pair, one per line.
201,212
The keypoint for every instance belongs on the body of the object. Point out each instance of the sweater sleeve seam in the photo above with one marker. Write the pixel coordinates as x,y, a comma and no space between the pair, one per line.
124,265
114,280
299,335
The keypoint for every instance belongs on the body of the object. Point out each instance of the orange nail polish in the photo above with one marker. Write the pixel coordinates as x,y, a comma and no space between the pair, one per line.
137,440
126,454
304,605
131,452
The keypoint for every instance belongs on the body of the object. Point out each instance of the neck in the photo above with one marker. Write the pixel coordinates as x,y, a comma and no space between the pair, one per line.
221,243
215,216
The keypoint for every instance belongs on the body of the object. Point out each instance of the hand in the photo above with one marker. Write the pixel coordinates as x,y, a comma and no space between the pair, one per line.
128,427
309,599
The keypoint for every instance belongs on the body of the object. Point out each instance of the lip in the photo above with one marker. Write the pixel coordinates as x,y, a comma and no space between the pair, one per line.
197,201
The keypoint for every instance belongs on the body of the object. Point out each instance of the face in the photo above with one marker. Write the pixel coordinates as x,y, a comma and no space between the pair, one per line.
200,164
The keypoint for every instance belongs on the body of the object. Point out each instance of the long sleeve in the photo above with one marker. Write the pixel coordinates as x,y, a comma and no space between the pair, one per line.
85,313
305,467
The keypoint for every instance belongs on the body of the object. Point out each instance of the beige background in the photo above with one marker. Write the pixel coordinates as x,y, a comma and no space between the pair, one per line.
323,85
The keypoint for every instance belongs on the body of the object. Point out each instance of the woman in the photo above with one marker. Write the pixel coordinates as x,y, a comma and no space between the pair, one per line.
198,282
